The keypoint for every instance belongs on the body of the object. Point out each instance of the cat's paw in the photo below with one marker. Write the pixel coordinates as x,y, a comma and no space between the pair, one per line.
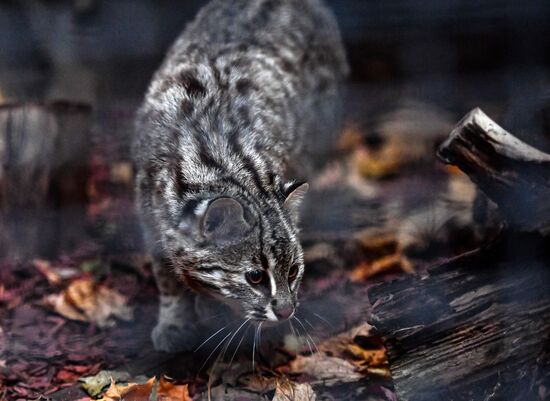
173,338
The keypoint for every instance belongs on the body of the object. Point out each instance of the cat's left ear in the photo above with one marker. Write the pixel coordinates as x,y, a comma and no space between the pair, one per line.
224,221
295,194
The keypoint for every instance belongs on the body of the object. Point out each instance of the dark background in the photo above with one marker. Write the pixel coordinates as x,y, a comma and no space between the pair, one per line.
417,67
454,54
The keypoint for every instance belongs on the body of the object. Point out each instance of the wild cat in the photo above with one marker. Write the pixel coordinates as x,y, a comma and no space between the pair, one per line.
246,100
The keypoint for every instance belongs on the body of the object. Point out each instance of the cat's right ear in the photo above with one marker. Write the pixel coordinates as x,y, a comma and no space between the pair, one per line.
295,194
224,221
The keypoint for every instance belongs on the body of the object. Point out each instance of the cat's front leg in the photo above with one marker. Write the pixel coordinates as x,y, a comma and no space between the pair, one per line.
175,330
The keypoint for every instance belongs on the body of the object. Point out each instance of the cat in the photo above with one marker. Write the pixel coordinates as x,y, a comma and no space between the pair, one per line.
245,104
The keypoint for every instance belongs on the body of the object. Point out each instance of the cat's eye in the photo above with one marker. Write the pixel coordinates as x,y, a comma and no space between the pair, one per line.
293,272
255,277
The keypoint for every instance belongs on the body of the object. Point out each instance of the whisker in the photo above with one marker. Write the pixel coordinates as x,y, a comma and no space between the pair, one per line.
295,337
212,317
316,334
254,350
214,350
307,342
238,345
260,334
307,333
323,319
209,338
260,340
313,328
233,336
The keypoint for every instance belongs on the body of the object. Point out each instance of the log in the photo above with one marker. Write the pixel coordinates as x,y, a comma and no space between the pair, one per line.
475,328
513,174
478,327
43,171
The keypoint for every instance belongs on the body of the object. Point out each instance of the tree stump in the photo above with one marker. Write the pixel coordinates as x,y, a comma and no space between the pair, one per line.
478,327
43,171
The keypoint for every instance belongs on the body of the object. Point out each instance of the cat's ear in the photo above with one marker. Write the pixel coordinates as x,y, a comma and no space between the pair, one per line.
224,221
295,194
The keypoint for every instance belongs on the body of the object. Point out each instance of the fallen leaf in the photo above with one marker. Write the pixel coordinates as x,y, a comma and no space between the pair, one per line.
45,267
129,392
288,391
138,392
168,391
258,383
453,170
85,300
380,253
361,348
94,385
66,375
377,243
347,357
387,264
383,162
324,368
351,138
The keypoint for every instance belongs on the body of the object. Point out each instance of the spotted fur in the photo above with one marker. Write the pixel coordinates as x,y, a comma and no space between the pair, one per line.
246,100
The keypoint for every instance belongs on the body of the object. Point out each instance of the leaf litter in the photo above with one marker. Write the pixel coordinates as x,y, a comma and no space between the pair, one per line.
86,300
88,333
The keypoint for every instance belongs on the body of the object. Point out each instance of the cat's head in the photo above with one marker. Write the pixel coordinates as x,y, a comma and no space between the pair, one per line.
245,253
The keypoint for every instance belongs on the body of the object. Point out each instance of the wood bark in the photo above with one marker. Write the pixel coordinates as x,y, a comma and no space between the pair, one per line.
43,169
478,327
513,174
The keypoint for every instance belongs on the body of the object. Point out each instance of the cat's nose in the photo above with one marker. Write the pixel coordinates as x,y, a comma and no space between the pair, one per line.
283,312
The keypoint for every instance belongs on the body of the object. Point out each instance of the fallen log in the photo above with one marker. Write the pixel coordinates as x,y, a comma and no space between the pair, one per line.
510,172
478,326
43,171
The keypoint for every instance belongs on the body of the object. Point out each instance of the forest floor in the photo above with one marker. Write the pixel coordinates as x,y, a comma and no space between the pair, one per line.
77,326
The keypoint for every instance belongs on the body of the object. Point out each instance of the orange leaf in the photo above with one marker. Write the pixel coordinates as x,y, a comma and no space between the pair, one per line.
86,300
168,391
130,392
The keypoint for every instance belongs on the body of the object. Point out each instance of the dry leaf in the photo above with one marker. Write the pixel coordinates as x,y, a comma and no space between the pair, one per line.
383,162
129,392
45,267
347,357
381,253
351,138
85,300
325,368
167,391
94,385
288,391
387,264
361,348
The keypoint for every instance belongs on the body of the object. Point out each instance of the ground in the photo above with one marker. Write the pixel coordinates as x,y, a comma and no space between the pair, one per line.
90,310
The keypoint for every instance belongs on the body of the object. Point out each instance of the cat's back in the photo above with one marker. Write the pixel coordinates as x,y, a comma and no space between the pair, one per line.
302,35
268,70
